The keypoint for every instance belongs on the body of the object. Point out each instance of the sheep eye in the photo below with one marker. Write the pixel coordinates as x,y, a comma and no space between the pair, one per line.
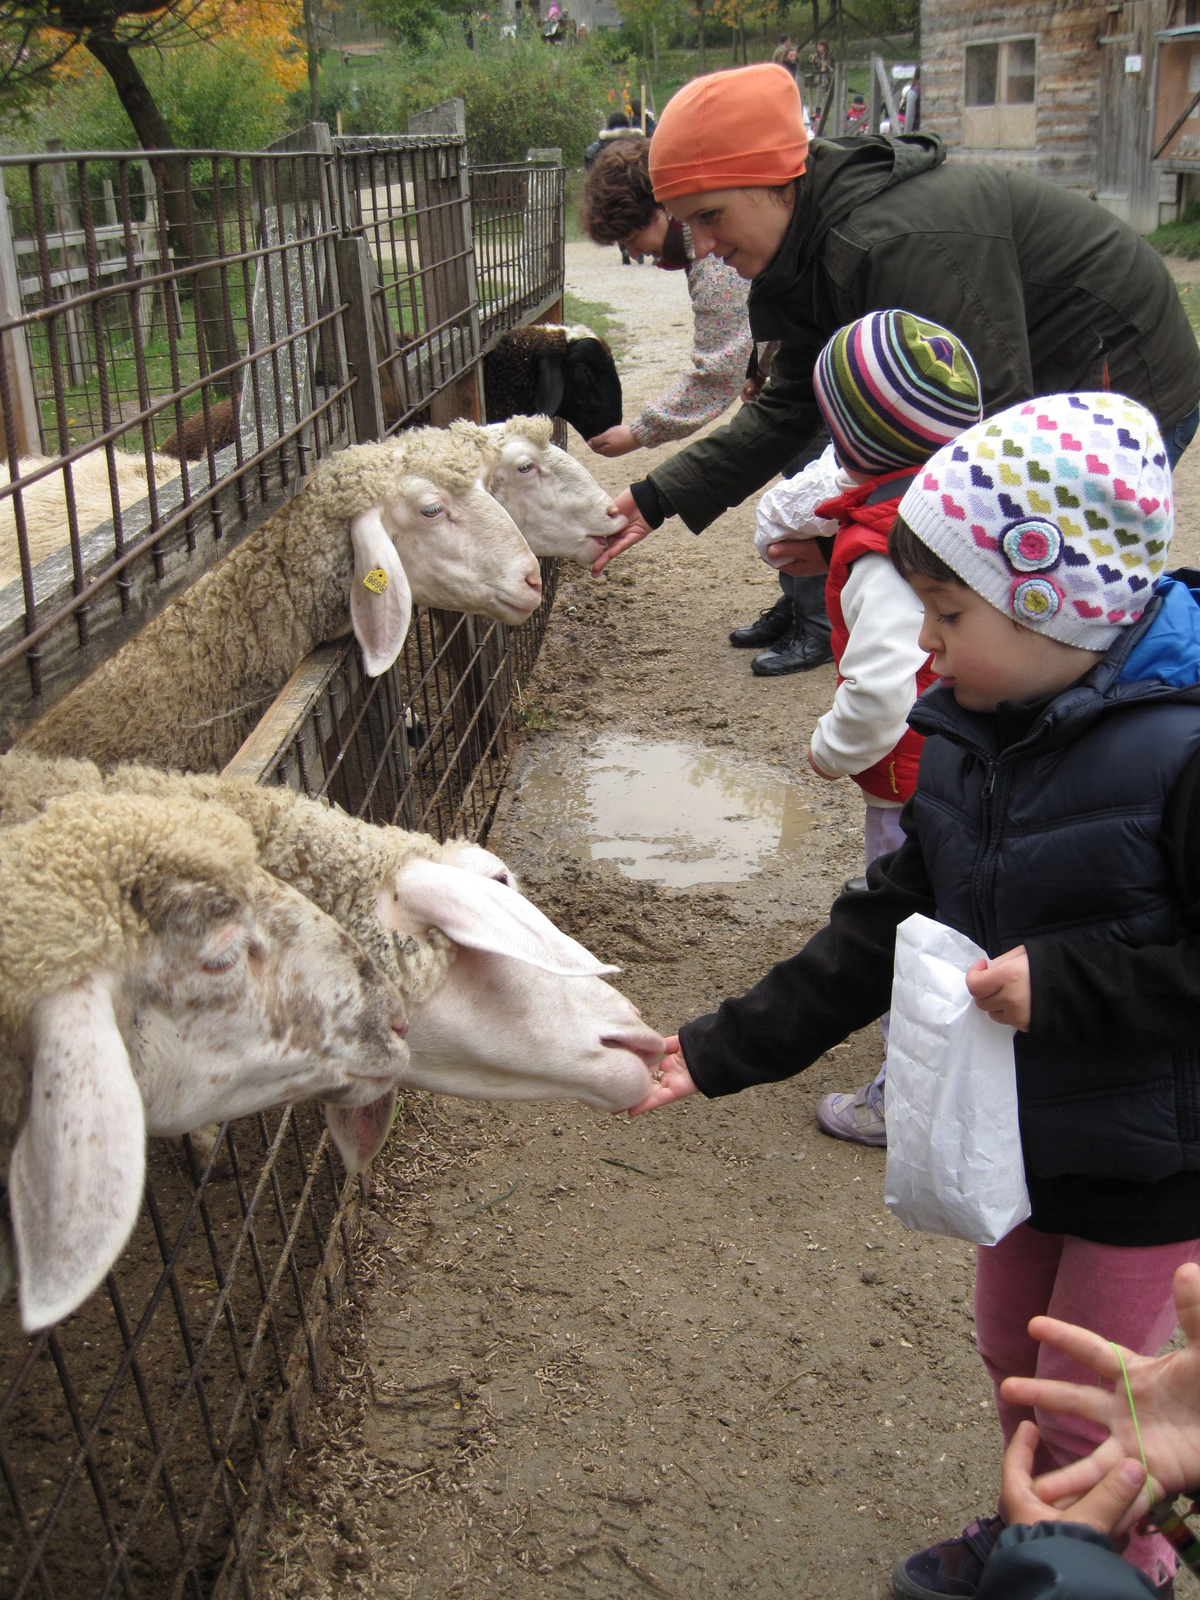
527,466
224,962
500,877
434,510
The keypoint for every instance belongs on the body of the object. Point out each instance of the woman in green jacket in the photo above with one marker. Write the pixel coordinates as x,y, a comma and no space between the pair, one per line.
1049,291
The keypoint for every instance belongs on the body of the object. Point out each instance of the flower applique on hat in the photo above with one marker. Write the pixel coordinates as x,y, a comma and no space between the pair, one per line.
1057,512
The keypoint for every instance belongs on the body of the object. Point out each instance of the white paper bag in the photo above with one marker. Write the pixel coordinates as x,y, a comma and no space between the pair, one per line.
954,1163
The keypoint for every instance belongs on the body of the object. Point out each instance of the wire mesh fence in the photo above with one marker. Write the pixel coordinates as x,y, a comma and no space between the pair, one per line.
141,1440
183,337
517,212
171,364
426,745
406,197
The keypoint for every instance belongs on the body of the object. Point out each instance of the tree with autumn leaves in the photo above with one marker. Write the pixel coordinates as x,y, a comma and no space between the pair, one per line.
44,42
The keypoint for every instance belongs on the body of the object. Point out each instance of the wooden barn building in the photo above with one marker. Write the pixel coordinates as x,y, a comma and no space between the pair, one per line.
1099,96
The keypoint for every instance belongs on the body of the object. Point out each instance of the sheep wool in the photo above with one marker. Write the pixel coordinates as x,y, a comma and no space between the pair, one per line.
335,860
165,696
73,884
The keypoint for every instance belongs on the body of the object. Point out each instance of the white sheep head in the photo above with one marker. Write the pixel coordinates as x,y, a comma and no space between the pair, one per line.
423,530
521,1013
153,977
552,498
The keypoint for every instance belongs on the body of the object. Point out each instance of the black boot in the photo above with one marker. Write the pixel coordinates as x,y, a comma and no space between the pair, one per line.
797,651
768,628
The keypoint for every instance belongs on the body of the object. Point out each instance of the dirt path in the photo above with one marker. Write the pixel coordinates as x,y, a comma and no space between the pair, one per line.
692,1353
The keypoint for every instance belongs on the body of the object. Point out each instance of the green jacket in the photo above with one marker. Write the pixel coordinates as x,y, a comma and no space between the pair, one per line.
1046,290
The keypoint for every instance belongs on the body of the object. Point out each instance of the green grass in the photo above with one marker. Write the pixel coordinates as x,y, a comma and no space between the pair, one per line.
1189,294
83,411
600,317
1181,237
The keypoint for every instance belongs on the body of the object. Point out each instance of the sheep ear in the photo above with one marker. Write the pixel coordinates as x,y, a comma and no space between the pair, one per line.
483,915
359,1132
79,1164
551,385
380,599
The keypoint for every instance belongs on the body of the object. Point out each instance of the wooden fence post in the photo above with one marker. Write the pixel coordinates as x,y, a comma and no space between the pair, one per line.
25,437
449,293
356,277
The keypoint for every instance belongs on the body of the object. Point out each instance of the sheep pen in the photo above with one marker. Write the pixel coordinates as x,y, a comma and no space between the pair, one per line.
692,1352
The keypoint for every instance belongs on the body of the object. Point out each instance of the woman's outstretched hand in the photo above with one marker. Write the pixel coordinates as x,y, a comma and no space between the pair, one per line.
1111,1506
1166,1396
634,530
674,1081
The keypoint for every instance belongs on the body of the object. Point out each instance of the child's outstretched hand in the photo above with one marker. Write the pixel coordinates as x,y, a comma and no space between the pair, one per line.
675,1081
1001,987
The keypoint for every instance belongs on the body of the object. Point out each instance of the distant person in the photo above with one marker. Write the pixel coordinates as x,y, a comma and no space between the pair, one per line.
784,53
651,122
910,105
619,208
820,64
616,129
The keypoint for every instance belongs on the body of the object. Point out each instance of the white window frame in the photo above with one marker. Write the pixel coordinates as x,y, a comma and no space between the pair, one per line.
1001,126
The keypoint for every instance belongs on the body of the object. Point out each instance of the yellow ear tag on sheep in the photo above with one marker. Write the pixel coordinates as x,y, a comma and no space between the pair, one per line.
376,580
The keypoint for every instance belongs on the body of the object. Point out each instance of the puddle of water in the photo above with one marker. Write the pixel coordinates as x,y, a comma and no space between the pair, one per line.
664,812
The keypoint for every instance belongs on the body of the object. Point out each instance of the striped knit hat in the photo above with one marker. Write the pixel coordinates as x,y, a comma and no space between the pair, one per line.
894,388
1057,512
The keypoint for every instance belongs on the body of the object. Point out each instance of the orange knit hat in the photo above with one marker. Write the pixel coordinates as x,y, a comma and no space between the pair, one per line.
730,130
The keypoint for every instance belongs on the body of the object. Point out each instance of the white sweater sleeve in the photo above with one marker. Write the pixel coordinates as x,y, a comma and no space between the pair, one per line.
878,668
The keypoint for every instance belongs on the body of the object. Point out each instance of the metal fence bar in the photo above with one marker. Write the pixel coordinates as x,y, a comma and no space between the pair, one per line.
135,332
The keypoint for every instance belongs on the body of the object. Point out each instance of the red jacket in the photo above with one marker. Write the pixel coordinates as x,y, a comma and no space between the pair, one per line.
865,515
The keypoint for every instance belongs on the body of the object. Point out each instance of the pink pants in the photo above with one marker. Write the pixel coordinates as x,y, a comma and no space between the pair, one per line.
1120,1293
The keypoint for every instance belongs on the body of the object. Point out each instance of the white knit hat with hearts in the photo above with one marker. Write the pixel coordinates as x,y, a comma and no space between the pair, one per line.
1056,511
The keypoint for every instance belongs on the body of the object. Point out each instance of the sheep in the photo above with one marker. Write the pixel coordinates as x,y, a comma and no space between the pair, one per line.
45,507
556,371
559,507
375,528
197,438
501,1004
153,976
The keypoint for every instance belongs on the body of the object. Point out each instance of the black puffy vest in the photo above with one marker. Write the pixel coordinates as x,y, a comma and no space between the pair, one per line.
1061,834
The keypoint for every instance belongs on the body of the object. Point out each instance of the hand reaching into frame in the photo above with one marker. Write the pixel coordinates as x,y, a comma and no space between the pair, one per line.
618,441
1111,1506
1166,1395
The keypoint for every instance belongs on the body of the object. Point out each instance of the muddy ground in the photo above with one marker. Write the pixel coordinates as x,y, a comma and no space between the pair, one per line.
692,1354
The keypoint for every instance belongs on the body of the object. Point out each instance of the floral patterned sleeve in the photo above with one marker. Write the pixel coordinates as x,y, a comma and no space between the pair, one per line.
721,349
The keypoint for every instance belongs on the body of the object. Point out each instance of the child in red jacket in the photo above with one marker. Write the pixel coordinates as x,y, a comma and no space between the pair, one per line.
892,389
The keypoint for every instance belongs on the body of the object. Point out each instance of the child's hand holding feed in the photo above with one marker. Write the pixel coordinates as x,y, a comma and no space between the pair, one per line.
673,1080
